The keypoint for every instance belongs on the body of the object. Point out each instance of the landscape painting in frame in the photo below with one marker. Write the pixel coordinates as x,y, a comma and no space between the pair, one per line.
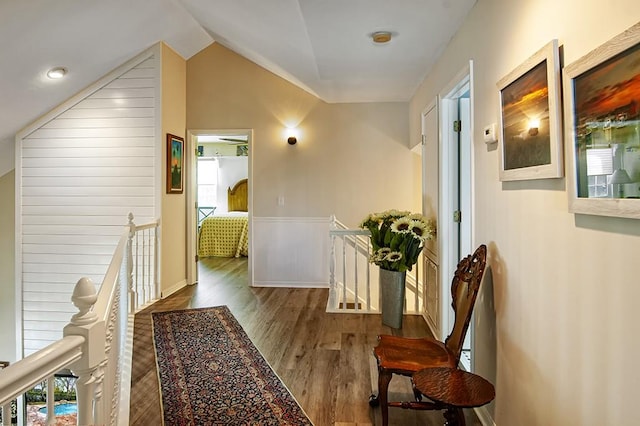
602,109
530,122
175,163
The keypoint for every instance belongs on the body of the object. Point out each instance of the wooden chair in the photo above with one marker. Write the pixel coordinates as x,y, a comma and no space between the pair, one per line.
405,356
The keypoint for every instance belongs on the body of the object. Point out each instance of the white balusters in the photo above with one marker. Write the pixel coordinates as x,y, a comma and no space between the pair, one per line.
347,283
344,273
51,389
156,263
142,255
130,285
332,262
93,346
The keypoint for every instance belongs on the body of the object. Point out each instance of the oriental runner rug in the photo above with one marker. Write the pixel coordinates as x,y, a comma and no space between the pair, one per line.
211,373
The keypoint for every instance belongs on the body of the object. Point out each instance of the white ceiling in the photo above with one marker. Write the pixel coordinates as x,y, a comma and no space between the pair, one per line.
323,46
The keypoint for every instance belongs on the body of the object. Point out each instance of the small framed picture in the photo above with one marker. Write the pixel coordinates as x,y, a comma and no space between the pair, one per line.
530,133
602,113
175,164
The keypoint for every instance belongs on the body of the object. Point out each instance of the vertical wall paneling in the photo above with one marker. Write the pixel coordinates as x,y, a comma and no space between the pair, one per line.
291,252
83,168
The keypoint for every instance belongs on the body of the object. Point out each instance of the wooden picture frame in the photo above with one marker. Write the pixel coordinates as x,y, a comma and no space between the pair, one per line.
602,113
175,164
530,133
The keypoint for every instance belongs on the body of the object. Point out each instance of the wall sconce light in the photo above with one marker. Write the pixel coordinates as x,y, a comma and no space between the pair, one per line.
534,125
292,136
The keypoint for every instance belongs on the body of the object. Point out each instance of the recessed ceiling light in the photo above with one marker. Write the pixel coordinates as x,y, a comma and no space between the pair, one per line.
57,72
381,36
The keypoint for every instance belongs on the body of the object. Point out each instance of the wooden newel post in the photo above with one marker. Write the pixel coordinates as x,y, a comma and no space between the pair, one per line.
87,324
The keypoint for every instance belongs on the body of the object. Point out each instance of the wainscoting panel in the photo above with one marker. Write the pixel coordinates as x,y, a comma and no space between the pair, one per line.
290,251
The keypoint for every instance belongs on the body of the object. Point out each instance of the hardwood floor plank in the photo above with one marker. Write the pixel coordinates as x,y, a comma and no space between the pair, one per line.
325,359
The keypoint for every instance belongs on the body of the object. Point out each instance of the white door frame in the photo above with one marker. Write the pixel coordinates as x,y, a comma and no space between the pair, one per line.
448,252
192,191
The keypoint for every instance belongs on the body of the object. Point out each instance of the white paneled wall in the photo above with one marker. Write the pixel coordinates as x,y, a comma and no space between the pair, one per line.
81,173
290,251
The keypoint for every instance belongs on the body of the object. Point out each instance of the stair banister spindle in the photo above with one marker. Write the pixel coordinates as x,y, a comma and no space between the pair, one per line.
156,270
137,284
344,271
146,246
148,265
332,259
355,271
51,412
416,299
140,267
132,293
98,400
368,269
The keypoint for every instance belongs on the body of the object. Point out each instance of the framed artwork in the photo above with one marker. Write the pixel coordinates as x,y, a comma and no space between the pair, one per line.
175,164
602,113
530,133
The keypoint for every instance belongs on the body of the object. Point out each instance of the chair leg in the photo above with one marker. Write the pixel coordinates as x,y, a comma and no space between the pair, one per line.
384,378
454,417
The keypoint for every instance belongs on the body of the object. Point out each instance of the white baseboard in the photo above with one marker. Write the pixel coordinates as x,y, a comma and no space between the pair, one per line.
484,416
290,284
177,286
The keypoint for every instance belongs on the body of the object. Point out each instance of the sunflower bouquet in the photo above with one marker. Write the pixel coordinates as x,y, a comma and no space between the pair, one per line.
397,238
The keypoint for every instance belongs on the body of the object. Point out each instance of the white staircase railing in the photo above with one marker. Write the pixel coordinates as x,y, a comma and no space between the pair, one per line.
97,342
353,279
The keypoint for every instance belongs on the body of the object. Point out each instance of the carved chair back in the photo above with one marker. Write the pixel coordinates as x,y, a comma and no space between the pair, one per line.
464,290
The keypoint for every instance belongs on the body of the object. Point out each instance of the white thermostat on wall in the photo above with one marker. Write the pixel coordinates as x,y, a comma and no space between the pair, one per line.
490,133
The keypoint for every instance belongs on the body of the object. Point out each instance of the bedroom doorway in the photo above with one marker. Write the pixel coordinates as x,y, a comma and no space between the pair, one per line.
218,194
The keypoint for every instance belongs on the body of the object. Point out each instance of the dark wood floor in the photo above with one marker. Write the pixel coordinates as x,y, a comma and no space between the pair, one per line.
324,359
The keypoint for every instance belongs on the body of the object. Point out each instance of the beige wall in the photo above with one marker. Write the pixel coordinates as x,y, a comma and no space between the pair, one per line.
557,322
173,226
351,159
7,268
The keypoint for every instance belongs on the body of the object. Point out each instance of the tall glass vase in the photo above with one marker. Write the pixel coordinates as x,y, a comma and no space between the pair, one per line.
392,290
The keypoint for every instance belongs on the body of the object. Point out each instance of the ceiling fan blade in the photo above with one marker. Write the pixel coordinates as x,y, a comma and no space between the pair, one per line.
240,141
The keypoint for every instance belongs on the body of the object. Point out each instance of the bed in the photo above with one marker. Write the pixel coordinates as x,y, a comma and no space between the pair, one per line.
227,234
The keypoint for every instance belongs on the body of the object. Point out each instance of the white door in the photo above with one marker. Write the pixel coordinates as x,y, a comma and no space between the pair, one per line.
430,206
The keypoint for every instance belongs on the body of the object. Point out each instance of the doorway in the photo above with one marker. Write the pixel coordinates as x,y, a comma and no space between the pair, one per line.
456,195
219,159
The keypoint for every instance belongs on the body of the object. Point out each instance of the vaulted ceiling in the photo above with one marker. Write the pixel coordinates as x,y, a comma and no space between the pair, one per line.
323,46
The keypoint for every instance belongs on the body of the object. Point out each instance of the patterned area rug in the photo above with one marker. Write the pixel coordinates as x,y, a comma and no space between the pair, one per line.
212,374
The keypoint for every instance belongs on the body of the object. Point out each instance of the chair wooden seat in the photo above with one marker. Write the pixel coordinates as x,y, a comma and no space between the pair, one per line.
406,356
